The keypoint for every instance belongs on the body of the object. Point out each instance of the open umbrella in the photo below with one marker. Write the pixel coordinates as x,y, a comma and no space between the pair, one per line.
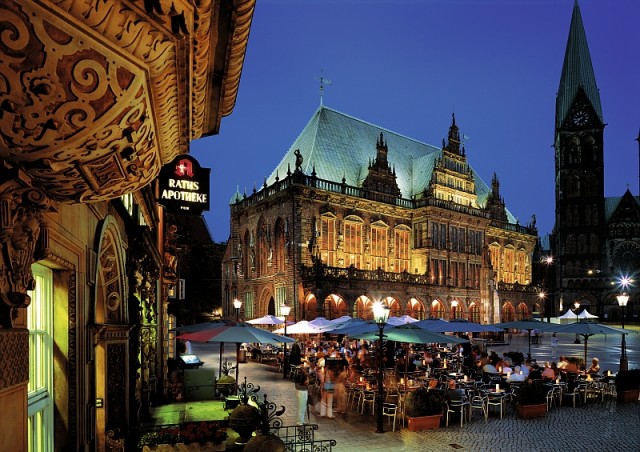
395,321
588,329
301,327
238,333
463,326
411,333
430,324
266,320
526,324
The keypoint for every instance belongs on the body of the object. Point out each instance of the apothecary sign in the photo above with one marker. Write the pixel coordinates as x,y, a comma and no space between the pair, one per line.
184,186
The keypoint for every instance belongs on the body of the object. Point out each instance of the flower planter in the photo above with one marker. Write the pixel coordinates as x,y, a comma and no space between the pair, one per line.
628,396
416,424
531,411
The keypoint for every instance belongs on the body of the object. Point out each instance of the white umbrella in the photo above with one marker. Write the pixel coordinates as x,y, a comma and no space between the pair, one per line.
266,320
302,327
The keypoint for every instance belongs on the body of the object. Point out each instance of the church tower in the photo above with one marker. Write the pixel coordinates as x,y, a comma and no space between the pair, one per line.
580,229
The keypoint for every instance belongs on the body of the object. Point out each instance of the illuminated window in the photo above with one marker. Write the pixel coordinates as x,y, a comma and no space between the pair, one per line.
353,244
328,240
40,389
401,250
509,265
474,313
379,248
437,311
127,201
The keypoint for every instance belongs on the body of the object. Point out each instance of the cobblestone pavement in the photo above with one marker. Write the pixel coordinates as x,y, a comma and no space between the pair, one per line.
606,426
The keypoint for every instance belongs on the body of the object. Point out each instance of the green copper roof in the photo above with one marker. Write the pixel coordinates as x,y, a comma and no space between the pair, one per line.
577,71
340,146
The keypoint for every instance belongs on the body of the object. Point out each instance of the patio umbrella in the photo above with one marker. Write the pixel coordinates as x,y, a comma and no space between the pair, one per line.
237,333
411,334
588,329
430,324
395,321
301,327
357,326
464,326
526,324
266,320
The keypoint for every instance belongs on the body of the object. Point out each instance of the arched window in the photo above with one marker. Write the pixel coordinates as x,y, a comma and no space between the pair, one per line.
353,241
379,245
508,313
363,308
280,246
415,309
437,310
523,311
334,307
328,239
474,313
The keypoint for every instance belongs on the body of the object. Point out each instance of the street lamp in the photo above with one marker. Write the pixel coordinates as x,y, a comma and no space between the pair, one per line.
623,298
380,315
285,310
542,296
237,304
550,302
577,306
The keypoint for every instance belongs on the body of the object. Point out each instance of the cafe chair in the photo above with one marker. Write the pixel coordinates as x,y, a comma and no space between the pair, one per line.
369,398
552,396
389,410
457,406
571,393
496,400
479,402
356,399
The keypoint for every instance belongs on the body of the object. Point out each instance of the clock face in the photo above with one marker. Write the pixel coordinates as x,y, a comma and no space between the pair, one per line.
580,118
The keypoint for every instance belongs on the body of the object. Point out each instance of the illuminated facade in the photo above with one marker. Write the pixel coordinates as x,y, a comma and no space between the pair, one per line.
96,97
596,240
356,213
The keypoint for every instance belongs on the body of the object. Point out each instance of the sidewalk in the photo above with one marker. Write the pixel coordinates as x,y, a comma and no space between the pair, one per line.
607,426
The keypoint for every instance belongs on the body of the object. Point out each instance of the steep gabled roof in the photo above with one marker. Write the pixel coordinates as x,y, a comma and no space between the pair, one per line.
612,203
340,146
577,71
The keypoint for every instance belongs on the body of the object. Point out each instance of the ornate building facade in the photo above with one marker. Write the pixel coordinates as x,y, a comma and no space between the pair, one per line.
96,98
596,239
355,213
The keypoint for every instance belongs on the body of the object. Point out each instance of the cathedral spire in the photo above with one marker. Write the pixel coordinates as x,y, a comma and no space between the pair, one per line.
577,71
453,141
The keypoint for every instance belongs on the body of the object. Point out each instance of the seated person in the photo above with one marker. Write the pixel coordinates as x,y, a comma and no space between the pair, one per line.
489,369
562,364
535,373
548,374
454,393
516,375
595,366
570,367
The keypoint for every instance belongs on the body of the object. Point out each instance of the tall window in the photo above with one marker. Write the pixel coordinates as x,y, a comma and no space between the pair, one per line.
494,250
401,250
40,389
328,241
379,248
521,268
509,265
474,313
353,244
248,305
420,234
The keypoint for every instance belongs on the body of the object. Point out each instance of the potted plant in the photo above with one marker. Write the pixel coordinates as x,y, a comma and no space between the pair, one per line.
423,409
628,385
532,400
226,384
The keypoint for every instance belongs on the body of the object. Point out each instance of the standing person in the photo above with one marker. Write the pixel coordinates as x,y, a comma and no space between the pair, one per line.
326,391
302,392
554,345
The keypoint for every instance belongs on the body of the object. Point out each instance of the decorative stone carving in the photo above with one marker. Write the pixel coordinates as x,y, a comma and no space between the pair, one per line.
21,208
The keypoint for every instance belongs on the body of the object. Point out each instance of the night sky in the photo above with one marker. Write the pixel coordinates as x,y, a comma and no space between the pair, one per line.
407,65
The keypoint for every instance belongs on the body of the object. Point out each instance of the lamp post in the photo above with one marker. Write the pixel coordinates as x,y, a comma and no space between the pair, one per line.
285,310
237,304
380,315
548,305
623,299
577,306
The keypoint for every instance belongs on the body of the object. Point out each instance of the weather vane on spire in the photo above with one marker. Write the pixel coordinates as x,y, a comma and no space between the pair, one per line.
323,81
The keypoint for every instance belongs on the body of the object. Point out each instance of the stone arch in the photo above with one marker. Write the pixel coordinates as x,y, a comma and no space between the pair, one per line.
111,279
334,306
474,312
264,300
523,311
362,307
309,307
437,309
395,308
415,308
508,312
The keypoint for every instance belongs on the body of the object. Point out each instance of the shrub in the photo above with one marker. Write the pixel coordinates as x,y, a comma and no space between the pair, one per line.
532,393
628,380
423,402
